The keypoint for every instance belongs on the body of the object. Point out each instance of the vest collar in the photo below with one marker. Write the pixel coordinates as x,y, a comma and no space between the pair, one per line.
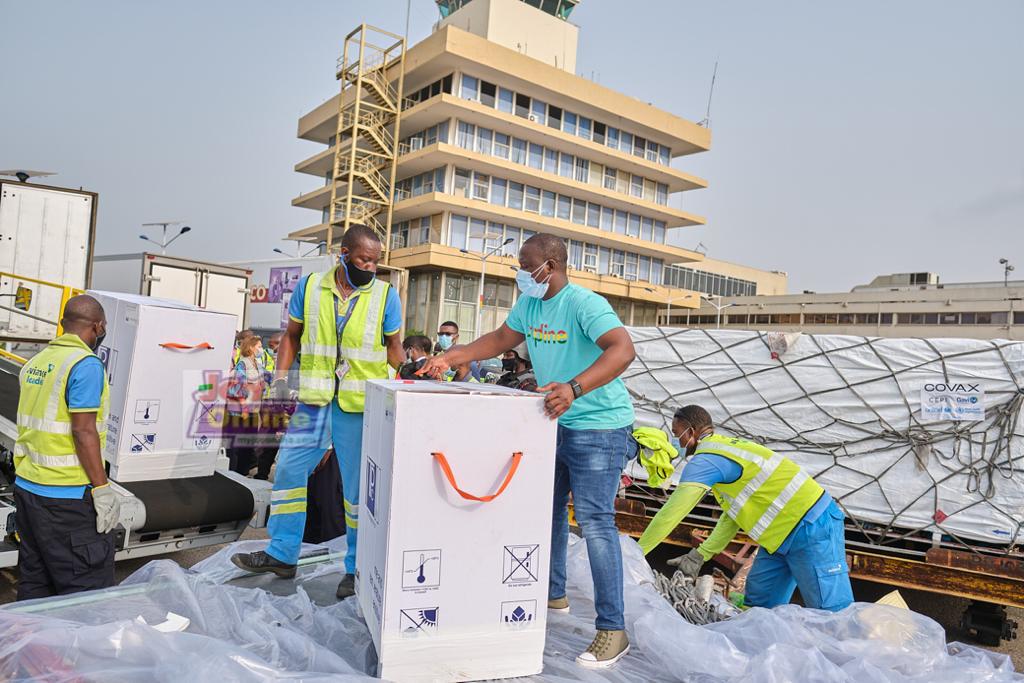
72,340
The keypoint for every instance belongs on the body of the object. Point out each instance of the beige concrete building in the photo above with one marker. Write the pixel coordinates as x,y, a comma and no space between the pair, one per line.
900,305
499,139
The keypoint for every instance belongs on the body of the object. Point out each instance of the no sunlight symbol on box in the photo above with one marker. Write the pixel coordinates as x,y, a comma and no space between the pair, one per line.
421,621
519,564
143,443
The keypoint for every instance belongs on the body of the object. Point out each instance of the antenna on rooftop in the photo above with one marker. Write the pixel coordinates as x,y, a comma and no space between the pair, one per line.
707,116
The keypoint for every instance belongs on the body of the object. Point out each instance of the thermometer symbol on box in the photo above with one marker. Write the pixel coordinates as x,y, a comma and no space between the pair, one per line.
418,570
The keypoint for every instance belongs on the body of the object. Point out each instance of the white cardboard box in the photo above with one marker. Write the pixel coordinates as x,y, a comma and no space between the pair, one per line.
156,399
454,589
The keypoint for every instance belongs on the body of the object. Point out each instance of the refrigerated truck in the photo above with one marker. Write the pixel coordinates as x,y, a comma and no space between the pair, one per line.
212,286
47,235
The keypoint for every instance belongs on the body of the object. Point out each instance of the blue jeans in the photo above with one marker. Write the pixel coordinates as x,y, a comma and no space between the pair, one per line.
311,431
815,562
589,463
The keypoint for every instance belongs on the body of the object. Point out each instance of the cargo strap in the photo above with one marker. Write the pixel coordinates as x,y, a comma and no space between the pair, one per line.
446,468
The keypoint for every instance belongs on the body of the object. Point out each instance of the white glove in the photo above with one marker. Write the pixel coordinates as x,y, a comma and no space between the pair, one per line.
689,564
107,504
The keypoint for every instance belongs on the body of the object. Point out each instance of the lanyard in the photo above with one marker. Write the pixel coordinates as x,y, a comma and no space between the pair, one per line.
343,320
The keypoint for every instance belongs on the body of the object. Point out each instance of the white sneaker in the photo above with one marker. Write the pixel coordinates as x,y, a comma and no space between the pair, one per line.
558,604
608,647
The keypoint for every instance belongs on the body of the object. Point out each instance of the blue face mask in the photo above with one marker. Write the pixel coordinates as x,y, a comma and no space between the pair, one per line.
444,341
530,287
674,440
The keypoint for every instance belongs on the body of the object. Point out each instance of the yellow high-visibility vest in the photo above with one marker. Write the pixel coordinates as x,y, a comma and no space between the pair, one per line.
361,349
44,452
770,497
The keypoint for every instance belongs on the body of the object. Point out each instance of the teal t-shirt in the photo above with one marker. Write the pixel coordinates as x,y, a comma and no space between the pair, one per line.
561,336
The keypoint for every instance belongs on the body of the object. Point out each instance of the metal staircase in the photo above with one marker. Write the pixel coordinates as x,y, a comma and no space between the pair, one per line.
371,70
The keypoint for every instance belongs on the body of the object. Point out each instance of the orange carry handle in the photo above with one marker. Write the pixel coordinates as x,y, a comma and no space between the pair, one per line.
202,346
446,468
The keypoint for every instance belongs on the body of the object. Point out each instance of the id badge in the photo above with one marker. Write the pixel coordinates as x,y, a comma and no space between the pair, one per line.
342,369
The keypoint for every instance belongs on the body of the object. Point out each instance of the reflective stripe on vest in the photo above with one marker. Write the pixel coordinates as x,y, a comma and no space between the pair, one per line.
44,452
362,344
770,497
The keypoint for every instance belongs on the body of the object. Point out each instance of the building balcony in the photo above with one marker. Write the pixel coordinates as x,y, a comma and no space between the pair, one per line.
433,255
440,154
439,202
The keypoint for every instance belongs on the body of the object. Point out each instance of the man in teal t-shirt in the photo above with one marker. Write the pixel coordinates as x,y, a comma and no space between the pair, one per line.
579,348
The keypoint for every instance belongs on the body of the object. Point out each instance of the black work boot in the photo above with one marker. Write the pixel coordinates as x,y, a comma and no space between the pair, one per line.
347,587
260,562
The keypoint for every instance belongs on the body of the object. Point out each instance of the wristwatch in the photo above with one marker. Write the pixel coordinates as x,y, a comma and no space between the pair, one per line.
577,390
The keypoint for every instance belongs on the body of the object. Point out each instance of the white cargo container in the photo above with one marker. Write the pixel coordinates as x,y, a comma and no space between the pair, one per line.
224,289
455,530
165,362
46,233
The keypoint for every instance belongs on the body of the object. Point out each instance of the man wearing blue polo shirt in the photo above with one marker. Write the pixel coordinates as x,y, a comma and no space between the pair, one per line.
346,324
579,348
66,509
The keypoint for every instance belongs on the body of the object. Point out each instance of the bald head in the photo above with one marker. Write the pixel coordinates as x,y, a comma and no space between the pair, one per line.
547,248
84,316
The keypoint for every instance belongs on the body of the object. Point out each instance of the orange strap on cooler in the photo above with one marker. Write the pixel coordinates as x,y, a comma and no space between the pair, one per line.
202,346
446,468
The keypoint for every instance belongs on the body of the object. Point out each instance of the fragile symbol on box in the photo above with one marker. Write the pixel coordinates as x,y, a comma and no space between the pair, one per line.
147,411
421,569
519,564
143,443
372,472
518,614
421,621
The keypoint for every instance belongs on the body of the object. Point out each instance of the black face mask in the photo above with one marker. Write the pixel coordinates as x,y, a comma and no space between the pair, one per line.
356,276
99,340
508,364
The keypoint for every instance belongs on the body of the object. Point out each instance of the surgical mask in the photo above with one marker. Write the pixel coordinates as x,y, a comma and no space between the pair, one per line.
444,341
357,277
508,364
530,287
675,443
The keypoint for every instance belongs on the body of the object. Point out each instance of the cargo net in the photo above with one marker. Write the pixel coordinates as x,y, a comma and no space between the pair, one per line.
849,410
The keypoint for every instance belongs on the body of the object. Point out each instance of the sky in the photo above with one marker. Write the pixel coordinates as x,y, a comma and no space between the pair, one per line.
849,139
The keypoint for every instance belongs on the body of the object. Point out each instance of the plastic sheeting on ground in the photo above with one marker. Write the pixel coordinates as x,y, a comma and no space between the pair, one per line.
241,631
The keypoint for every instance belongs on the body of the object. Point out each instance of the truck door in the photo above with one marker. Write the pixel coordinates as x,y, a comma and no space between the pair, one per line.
173,282
225,294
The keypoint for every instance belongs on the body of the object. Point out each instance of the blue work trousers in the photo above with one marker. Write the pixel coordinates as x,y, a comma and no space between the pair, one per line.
815,561
589,463
311,431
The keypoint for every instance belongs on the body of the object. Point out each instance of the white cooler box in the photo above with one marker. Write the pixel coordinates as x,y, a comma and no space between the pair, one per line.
166,364
455,589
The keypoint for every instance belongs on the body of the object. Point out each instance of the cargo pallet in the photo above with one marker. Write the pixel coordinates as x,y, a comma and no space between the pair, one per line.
990,576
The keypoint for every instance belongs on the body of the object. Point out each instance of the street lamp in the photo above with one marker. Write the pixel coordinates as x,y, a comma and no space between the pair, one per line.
318,247
163,243
483,269
718,309
1007,269
668,318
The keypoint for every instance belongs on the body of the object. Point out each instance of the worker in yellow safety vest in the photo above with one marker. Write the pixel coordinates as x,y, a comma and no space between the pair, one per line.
66,508
795,521
345,322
